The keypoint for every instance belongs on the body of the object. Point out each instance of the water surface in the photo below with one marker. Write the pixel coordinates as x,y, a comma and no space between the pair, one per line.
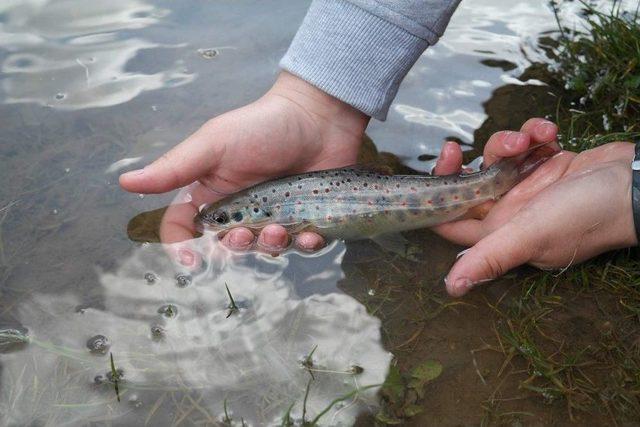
89,90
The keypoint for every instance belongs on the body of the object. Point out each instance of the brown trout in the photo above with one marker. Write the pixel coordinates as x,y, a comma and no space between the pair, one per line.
353,203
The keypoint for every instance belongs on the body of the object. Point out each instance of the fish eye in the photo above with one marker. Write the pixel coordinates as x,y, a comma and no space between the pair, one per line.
221,217
237,216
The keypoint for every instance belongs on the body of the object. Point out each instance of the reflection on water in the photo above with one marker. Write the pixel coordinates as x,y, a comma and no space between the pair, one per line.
71,54
250,357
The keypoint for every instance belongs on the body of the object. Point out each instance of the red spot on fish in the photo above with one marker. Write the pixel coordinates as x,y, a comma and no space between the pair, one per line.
315,191
477,192
355,188
427,185
404,203
370,203
455,197
376,187
299,202
326,190
329,217
287,194
413,189
442,199
386,191
430,201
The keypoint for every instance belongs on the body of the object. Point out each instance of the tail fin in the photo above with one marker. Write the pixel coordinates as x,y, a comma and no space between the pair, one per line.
510,171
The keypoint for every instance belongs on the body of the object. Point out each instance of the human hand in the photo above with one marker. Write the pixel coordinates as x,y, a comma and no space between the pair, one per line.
293,128
573,207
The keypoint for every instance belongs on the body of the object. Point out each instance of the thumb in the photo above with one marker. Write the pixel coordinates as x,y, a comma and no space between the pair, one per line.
494,255
180,166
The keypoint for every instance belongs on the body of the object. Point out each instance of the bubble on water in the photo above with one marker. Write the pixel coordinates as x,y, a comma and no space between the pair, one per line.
356,369
134,400
168,310
150,278
157,332
154,108
140,196
98,344
67,170
60,96
55,211
209,53
183,280
371,292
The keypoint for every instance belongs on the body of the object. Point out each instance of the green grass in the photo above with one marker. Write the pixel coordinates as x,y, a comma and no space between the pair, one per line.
599,68
575,333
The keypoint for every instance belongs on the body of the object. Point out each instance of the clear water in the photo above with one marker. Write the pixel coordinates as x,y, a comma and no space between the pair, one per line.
89,89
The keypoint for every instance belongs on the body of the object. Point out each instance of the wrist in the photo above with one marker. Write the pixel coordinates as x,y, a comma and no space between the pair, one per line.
328,112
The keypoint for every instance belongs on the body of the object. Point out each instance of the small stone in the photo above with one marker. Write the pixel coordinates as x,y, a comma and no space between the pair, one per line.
356,370
150,278
112,378
168,310
183,280
208,53
157,332
98,344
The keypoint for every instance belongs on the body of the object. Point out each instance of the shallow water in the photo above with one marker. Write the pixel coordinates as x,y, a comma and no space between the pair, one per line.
88,91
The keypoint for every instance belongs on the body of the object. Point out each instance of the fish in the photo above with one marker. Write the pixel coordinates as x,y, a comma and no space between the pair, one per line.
355,202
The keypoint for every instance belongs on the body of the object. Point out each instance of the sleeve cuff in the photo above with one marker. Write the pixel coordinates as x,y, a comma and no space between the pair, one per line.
352,55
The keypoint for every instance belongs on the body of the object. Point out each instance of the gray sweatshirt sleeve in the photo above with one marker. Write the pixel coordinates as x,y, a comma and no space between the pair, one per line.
360,50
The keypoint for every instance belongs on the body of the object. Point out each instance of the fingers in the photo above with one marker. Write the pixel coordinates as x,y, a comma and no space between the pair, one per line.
540,130
491,257
450,160
505,143
509,143
273,239
185,163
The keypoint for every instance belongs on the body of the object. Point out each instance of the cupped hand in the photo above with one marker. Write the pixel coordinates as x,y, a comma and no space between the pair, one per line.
573,207
293,128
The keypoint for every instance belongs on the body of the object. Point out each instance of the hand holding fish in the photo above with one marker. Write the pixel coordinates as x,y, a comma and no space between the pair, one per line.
293,128
573,207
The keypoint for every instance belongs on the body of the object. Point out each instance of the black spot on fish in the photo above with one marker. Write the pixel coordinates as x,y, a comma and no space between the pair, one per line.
365,184
287,194
315,191
264,199
256,210
273,191
326,190
299,187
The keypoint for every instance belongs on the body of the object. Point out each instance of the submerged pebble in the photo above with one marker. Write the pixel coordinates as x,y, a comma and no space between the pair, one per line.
183,280
150,278
157,332
109,376
208,53
168,310
134,400
98,344
12,339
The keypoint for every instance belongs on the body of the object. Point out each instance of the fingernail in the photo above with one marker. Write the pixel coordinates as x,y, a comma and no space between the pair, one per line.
238,239
513,140
462,285
546,130
134,172
187,258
